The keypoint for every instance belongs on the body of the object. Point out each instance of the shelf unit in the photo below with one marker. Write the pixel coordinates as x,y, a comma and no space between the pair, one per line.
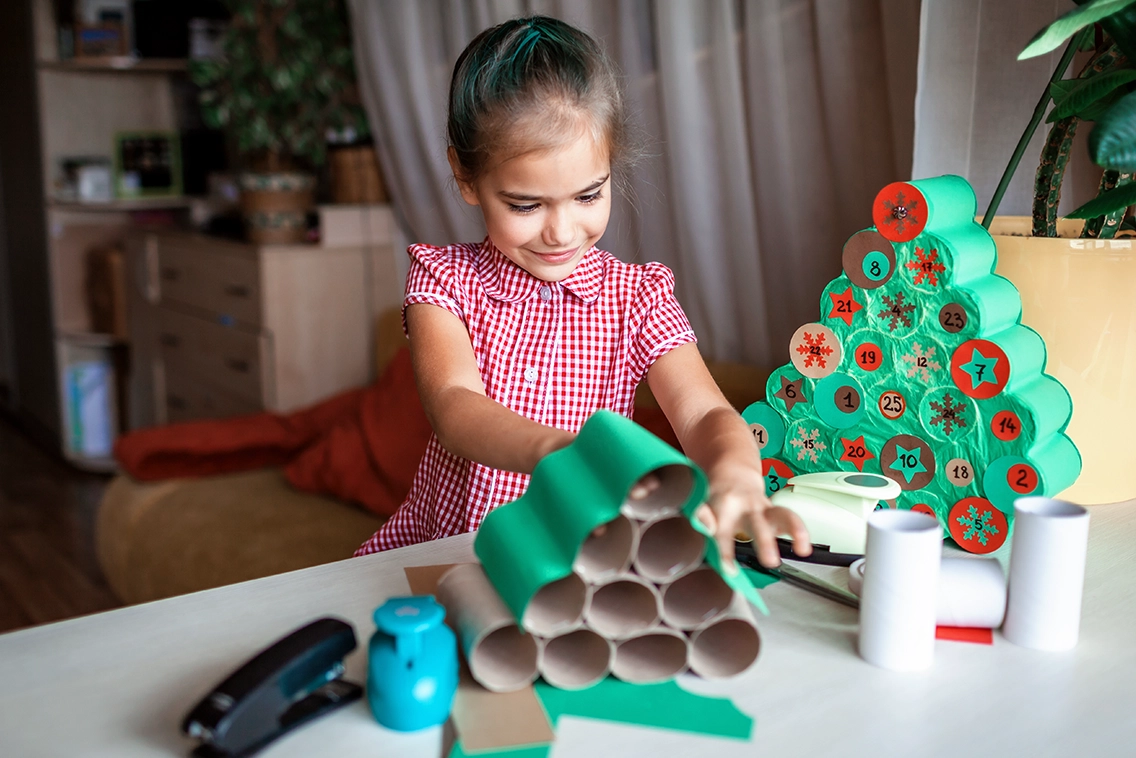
123,64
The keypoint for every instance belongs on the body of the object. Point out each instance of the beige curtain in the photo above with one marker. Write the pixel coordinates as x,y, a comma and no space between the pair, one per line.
975,98
771,125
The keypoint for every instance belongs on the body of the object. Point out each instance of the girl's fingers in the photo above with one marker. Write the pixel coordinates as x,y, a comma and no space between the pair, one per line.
764,539
644,487
705,514
787,522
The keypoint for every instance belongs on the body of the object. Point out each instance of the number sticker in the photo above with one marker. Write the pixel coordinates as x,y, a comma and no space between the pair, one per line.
848,399
892,405
777,475
876,266
959,472
760,435
1006,426
868,259
869,356
952,317
909,461
1022,478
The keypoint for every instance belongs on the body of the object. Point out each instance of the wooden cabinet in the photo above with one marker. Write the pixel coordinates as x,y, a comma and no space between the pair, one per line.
221,328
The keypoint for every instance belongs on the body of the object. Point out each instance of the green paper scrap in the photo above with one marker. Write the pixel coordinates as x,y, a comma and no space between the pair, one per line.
760,579
662,706
533,541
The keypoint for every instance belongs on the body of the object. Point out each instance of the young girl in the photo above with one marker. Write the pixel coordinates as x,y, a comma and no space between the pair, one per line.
517,340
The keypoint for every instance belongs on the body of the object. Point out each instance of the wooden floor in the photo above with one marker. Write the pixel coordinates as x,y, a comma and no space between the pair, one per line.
48,570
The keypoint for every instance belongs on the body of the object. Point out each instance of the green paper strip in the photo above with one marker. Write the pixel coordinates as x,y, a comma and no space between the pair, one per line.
662,706
533,541
950,202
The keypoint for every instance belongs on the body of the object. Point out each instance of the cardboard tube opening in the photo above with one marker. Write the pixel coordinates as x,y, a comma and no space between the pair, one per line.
725,648
696,599
675,485
575,660
652,657
607,554
669,548
623,607
504,660
556,607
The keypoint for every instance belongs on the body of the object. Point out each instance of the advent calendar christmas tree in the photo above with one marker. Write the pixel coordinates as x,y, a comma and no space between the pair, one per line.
921,370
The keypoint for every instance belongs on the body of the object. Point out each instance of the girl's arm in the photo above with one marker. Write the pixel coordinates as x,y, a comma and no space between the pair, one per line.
715,437
468,423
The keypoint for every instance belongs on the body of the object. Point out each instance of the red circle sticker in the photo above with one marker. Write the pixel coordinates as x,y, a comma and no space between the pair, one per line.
777,475
892,405
1022,478
900,212
977,526
923,508
1006,425
869,356
980,369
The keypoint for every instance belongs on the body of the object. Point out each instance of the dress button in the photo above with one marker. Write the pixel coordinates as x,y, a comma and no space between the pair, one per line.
545,293
531,374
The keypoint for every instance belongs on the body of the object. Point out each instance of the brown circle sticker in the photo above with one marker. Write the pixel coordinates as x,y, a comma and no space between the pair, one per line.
959,472
815,351
892,405
848,398
869,259
909,461
953,318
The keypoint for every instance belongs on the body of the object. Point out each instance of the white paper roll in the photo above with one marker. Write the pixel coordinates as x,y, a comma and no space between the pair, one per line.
1047,573
501,657
668,493
575,660
654,656
668,548
971,591
696,599
609,553
897,612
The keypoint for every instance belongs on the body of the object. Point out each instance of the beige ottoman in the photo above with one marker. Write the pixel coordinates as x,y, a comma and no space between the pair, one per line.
169,538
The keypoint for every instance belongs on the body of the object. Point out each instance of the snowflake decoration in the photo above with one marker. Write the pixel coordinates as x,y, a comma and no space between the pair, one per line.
815,350
950,415
927,267
807,444
977,526
896,311
901,212
922,363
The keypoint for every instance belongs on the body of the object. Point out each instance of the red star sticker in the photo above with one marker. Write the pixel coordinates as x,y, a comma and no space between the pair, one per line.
856,452
844,306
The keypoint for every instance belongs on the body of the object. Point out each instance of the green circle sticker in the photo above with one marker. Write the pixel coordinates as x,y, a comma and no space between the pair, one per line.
876,266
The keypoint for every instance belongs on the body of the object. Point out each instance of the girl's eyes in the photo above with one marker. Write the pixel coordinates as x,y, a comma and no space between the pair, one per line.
585,199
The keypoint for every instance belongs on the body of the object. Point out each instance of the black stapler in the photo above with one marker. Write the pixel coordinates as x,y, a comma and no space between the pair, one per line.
293,681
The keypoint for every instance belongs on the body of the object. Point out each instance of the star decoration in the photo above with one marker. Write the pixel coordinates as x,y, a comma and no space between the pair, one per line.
856,452
907,462
980,369
791,392
844,305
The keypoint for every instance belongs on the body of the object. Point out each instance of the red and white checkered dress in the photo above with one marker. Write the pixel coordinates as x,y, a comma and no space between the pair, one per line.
553,352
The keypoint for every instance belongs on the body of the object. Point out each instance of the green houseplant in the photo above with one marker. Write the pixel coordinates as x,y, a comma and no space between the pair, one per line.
286,78
1077,276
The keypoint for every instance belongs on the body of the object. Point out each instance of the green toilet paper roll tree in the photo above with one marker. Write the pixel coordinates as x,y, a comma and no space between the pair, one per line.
921,370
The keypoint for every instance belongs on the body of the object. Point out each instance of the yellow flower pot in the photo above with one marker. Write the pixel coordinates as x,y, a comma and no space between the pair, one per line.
1080,296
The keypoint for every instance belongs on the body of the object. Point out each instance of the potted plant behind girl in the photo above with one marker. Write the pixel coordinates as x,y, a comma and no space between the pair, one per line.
1077,276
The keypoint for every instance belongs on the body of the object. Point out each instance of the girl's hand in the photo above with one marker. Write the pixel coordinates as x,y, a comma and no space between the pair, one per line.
738,505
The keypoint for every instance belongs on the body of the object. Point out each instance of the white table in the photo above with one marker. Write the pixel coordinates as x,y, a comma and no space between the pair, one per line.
119,683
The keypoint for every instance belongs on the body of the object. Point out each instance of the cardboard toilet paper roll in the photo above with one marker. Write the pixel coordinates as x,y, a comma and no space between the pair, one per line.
897,612
1047,573
654,656
971,591
668,548
696,599
674,485
609,552
557,607
501,657
575,660
728,645
623,607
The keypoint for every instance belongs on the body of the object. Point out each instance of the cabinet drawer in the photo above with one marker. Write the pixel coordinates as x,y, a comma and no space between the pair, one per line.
233,360
189,398
225,285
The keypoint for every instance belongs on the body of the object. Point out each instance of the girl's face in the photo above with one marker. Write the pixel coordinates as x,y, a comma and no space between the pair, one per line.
544,210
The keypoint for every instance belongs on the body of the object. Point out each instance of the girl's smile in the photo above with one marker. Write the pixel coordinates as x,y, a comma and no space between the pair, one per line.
545,209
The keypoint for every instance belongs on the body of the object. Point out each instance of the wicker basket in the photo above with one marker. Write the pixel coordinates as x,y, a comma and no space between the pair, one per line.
355,176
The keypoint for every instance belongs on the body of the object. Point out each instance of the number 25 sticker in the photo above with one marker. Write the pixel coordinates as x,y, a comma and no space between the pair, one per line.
892,405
